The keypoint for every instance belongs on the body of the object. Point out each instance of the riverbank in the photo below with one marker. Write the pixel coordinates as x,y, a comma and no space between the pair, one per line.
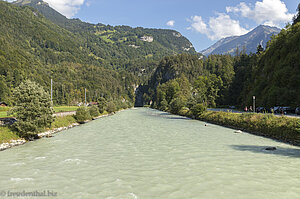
10,138
284,129
281,128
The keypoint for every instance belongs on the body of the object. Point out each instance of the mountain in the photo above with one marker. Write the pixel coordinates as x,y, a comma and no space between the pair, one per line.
32,47
136,49
260,35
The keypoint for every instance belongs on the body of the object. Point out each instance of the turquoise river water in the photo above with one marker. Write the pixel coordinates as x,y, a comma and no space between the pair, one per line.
147,154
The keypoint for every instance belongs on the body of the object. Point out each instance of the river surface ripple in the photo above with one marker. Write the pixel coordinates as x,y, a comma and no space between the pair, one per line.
147,154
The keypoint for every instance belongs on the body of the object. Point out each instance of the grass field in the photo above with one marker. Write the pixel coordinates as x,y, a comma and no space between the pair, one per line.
65,108
3,110
3,114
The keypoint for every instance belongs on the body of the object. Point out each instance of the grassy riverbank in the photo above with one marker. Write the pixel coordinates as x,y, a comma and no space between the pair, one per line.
3,110
283,128
6,134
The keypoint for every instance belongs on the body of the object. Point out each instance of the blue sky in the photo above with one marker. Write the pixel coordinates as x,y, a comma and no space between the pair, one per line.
202,22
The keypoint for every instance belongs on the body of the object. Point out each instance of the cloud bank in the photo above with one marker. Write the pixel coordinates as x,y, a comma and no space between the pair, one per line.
267,12
66,7
217,27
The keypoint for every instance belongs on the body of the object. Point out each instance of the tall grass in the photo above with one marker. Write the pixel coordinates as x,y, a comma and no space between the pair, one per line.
63,121
6,134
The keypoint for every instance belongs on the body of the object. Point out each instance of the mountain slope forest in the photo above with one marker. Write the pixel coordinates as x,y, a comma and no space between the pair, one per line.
272,75
135,49
107,61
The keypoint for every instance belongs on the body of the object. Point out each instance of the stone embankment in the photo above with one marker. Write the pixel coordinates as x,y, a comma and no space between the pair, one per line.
12,143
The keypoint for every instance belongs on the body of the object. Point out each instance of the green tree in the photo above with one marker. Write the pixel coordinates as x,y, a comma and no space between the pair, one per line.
82,114
4,91
177,104
94,111
296,18
101,104
32,109
197,110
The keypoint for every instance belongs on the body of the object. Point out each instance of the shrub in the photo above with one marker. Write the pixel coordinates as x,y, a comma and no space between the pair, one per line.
111,107
32,109
82,115
177,104
197,110
94,111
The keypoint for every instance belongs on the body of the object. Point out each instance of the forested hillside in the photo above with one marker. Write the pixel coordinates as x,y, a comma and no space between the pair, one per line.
272,75
33,47
108,61
135,49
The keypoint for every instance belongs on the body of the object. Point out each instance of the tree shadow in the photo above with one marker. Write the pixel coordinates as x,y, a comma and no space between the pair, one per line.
290,152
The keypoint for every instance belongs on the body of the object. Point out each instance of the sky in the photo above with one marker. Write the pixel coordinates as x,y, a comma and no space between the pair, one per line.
203,22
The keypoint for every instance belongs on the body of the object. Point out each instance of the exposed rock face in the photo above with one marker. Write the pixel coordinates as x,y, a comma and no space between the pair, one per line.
176,34
133,46
147,38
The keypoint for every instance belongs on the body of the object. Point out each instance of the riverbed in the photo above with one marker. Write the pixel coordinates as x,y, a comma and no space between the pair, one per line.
148,154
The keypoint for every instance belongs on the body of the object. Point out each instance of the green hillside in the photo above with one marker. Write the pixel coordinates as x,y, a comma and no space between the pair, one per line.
33,47
108,61
119,46
276,78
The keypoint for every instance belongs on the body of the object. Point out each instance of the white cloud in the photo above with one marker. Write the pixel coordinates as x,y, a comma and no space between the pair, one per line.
171,23
217,27
268,12
66,7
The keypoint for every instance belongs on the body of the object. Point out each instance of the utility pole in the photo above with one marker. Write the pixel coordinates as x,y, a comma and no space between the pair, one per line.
84,96
253,103
51,90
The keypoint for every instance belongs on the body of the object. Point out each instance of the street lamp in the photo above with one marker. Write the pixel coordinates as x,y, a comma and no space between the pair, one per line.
253,103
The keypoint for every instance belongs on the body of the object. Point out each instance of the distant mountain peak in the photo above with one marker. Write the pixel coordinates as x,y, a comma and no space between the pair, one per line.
259,35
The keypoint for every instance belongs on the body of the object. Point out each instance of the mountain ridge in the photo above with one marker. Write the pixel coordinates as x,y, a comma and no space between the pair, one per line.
259,35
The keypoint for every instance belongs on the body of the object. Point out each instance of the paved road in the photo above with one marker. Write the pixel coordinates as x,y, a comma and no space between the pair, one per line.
237,111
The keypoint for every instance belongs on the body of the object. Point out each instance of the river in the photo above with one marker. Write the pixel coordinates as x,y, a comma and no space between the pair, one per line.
147,154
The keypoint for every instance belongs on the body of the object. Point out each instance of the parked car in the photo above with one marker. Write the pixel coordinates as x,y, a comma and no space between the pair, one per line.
261,110
286,110
276,109
297,111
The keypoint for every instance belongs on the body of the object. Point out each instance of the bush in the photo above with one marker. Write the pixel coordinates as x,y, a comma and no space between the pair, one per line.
177,104
82,115
111,107
32,109
94,111
197,110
